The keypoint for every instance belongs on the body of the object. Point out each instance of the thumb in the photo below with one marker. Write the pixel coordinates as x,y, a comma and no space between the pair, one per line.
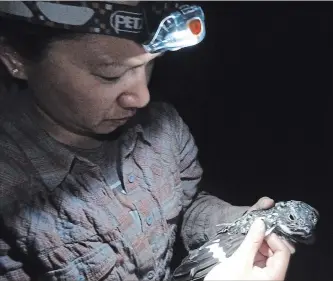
252,242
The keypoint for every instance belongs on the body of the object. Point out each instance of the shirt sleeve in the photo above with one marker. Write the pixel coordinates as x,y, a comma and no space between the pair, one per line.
202,211
11,269
12,188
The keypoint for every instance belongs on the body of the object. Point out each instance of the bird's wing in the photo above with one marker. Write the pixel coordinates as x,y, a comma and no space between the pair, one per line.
200,261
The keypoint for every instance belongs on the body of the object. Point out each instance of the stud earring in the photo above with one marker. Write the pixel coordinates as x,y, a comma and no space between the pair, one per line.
14,71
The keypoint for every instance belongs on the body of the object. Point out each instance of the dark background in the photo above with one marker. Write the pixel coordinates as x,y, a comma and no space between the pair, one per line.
257,96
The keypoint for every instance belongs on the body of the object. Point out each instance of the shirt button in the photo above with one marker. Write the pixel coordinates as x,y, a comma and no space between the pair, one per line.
151,274
149,220
131,178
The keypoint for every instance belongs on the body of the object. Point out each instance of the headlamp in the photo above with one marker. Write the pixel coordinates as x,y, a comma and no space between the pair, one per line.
182,28
157,26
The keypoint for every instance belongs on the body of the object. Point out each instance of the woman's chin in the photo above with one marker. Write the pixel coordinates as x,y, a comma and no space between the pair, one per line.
109,126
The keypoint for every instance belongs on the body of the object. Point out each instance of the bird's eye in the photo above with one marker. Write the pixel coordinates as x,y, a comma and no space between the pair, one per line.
291,217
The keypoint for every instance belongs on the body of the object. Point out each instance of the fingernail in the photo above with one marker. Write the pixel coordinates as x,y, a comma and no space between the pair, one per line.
290,247
259,224
264,201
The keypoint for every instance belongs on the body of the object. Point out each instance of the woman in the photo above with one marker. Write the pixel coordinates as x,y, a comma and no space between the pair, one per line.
94,181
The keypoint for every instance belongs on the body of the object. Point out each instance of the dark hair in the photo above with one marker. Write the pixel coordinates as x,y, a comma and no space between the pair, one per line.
30,41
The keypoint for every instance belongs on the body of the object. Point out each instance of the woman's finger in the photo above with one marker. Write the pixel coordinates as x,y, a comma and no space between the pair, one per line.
251,244
265,250
290,246
277,264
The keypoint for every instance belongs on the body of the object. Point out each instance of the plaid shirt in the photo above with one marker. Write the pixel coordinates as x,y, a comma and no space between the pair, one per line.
61,219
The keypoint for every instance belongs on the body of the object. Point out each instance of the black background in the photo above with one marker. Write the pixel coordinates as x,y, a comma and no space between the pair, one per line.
257,96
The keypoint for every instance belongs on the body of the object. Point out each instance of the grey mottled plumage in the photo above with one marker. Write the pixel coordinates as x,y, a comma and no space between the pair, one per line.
294,221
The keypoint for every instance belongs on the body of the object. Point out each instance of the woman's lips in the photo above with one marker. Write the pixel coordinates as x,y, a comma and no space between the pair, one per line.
123,119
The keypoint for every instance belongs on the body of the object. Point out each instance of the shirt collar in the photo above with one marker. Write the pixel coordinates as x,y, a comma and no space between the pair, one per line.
133,130
52,160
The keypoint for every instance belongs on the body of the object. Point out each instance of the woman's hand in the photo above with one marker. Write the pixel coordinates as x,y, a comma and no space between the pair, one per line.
257,258
266,203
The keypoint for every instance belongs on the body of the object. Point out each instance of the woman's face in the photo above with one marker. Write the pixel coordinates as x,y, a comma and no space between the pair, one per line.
92,84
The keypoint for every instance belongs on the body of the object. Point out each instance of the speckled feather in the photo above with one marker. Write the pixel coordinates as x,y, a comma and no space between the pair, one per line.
294,221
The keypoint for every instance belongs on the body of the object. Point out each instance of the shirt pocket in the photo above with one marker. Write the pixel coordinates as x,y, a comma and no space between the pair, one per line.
168,191
172,204
94,266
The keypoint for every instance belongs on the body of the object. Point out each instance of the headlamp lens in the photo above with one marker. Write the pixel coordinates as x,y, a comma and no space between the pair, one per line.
195,26
182,28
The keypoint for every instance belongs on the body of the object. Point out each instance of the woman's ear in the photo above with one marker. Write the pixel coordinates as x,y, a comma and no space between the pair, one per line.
12,61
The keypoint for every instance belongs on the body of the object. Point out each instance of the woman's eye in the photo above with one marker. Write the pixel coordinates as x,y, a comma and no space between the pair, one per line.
109,79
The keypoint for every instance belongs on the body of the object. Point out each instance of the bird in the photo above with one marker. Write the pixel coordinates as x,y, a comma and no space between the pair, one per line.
294,221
